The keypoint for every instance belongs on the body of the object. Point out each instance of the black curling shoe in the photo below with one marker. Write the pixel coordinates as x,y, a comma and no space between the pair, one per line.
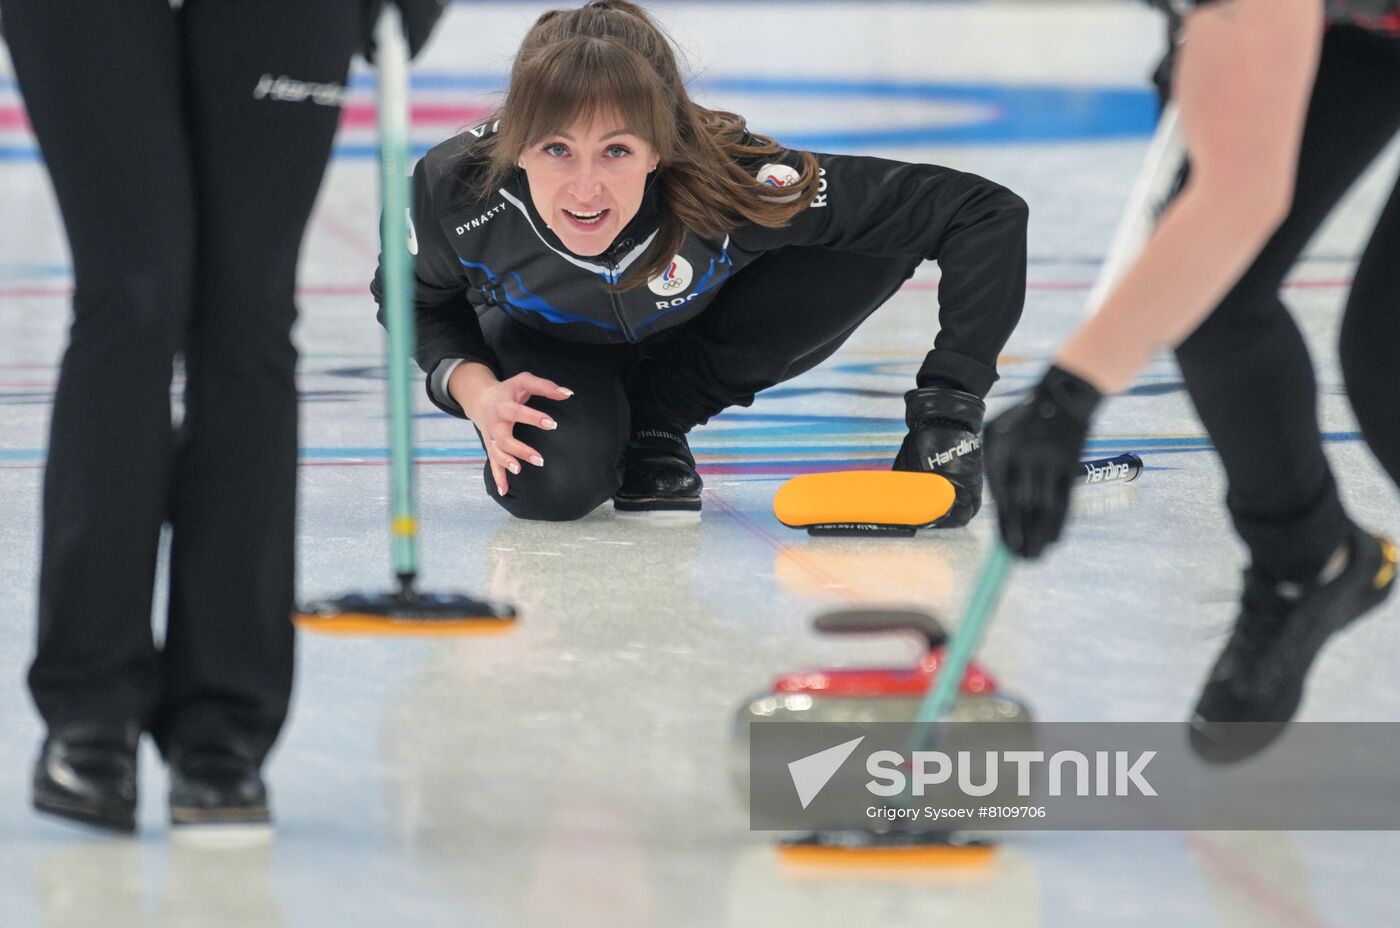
1259,676
216,786
658,473
87,773
945,427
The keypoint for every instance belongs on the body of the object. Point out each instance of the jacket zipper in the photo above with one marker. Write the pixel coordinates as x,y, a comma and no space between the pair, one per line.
627,332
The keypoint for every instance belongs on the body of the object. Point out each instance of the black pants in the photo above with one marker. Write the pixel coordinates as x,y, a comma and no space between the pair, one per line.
778,318
1247,368
185,176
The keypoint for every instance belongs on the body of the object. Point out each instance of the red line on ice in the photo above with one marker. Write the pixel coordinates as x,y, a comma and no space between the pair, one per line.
931,286
354,116
456,115
13,117
916,286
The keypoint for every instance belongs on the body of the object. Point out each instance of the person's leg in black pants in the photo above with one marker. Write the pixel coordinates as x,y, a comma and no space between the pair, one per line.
104,86
184,193
782,316
1247,368
227,660
779,317
793,309
1282,495
1370,340
582,458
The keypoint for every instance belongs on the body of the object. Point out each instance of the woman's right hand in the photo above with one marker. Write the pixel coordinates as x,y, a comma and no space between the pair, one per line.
496,406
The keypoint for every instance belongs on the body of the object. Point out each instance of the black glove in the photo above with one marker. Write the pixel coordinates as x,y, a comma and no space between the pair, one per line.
944,438
1033,452
419,18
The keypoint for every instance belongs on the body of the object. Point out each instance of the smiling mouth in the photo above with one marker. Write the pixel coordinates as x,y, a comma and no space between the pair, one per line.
586,219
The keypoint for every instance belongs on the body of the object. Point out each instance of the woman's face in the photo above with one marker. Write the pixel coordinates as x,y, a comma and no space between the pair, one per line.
588,181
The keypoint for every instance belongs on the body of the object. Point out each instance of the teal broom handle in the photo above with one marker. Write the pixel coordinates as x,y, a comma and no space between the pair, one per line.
966,638
392,54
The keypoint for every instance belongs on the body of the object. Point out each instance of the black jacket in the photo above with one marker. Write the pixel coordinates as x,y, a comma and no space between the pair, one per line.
476,252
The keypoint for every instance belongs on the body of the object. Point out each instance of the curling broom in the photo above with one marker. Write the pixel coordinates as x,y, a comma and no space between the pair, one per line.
405,610
898,503
1152,191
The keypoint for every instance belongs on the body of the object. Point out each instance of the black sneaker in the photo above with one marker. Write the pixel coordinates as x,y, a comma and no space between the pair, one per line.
944,438
87,773
658,473
1259,676
216,786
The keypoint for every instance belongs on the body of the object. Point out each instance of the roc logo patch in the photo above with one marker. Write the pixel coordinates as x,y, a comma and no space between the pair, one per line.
674,279
778,175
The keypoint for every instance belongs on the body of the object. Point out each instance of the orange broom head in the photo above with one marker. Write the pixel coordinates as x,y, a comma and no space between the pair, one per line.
936,850
402,614
893,501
